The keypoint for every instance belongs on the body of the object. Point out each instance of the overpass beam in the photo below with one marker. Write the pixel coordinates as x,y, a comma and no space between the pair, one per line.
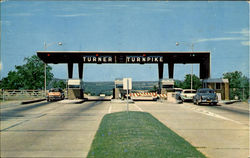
70,70
171,70
160,72
80,70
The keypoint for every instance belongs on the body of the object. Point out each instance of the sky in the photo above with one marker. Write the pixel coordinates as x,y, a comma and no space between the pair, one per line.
219,27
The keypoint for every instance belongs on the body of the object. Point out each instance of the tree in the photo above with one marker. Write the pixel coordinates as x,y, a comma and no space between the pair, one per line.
59,84
178,84
237,84
27,76
186,84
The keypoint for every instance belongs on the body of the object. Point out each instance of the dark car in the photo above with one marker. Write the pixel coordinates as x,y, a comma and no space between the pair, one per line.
205,95
55,94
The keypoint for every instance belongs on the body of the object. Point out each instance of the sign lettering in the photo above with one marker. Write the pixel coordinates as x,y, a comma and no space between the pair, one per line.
128,59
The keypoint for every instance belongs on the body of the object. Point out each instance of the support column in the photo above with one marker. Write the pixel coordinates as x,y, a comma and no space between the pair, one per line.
171,70
160,72
80,70
70,70
204,69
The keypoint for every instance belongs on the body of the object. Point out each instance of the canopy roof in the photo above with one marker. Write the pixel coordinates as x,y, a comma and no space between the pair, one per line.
122,57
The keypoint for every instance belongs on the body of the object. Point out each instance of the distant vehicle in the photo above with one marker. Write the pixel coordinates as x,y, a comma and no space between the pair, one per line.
55,94
102,95
205,95
187,94
178,90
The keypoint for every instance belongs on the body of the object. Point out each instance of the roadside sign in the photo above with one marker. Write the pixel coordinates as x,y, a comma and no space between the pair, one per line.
127,83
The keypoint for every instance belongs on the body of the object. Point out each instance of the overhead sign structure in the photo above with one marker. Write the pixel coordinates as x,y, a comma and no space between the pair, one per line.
128,57
127,83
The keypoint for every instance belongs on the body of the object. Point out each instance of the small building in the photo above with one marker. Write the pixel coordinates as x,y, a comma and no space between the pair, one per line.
75,89
167,85
118,90
221,87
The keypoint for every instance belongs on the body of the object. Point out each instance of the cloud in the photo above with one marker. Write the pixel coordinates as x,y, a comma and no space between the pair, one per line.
21,14
5,22
1,1
243,32
72,15
242,35
245,43
221,39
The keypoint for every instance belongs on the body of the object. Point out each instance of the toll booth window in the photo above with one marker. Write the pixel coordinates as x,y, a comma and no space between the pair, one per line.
167,86
218,86
74,86
119,86
189,91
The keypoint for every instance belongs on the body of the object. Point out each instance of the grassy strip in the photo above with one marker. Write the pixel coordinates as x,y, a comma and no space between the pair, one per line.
138,134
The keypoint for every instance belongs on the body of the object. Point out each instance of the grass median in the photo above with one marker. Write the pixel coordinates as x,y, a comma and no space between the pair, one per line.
138,134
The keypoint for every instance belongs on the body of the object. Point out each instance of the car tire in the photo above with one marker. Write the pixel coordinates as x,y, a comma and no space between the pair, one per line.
214,104
194,101
197,102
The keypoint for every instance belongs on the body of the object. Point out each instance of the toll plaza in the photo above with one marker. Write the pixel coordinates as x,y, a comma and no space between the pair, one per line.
128,57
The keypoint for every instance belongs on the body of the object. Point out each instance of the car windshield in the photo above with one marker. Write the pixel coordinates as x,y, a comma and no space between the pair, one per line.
189,91
55,90
206,91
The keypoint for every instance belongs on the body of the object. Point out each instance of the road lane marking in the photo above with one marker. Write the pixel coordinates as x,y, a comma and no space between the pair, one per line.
110,108
138,107
215,115
202,111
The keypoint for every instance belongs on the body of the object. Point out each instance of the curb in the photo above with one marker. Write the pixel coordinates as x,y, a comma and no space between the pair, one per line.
32,101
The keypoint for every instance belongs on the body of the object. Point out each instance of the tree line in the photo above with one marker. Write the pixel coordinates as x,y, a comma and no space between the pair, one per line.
30,76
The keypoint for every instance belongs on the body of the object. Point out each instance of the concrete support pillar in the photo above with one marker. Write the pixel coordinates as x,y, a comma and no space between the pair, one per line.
160,72
70,70
205,69
171,70
80,70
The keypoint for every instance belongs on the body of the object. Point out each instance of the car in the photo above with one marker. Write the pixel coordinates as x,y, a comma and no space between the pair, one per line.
205,95
55,94
187,94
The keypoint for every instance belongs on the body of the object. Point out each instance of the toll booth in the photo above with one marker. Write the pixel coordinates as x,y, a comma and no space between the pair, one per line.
75,89
221,87
167,85
118,91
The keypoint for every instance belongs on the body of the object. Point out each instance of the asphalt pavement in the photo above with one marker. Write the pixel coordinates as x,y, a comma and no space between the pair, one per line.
66,128
50,129
217,131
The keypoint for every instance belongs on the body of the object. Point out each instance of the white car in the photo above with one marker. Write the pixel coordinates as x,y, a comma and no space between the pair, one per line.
187,94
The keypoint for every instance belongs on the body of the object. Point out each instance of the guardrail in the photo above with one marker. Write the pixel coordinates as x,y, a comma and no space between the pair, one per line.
22,94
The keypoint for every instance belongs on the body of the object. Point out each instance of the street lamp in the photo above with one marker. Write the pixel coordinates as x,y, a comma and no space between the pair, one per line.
192,47
45,65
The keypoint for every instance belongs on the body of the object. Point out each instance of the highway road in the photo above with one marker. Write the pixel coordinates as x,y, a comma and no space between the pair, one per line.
67,128
56,129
